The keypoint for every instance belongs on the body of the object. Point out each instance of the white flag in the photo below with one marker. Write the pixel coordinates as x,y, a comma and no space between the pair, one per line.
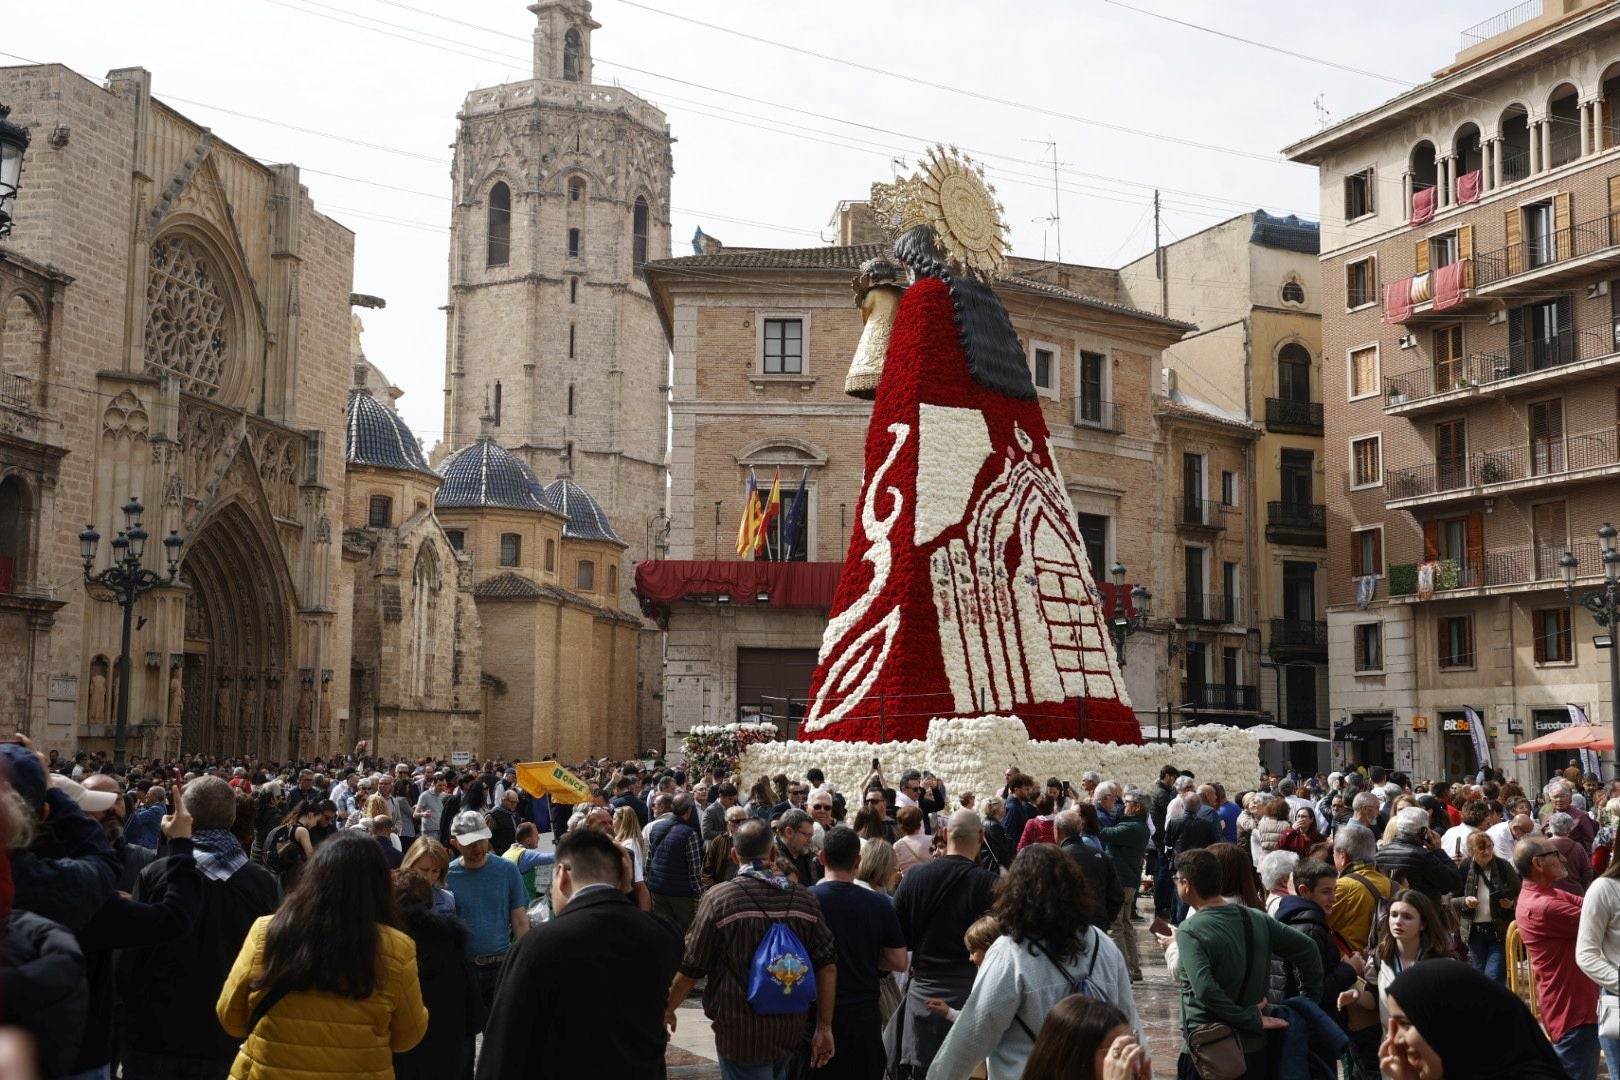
1577,715
1476,732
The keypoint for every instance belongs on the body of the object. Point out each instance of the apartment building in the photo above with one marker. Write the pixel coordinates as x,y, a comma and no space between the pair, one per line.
1250,285
762,340
1470,282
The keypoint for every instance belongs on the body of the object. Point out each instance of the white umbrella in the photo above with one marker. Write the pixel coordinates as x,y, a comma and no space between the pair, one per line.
1273,733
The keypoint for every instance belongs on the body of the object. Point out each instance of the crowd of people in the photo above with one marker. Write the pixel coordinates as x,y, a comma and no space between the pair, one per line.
368,917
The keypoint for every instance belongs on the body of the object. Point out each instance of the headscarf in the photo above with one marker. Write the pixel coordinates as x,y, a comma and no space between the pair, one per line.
1477,1026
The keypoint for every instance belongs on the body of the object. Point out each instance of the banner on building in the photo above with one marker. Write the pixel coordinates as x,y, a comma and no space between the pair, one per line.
1476,732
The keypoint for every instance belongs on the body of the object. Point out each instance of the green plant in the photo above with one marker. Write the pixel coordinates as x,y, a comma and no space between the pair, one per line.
1406,483
1463,382
1492,470
1446,573
1402,579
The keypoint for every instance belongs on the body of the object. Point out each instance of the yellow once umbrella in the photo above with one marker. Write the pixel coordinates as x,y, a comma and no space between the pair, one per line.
549,778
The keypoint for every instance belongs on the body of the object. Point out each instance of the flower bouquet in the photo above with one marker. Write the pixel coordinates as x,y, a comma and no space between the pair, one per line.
710,746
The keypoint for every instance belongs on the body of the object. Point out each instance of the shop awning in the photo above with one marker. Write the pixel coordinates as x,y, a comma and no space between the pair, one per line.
1363,726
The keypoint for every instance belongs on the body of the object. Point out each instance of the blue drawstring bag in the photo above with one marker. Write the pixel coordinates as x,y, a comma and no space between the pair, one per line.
781,980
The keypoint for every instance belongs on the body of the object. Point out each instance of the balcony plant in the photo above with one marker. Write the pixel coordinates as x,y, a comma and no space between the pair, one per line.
1395,394
1405,484
1492,470
1402,579
1463,383
1446,574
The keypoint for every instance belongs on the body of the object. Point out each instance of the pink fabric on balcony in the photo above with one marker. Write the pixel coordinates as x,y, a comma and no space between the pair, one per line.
1422,205
1468,187
1448,285
1398,301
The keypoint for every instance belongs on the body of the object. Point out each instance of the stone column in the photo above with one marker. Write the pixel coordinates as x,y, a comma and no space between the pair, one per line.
1445,176
1587,128
1494,173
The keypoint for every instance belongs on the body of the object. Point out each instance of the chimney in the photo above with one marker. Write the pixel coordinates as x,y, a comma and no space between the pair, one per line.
857,224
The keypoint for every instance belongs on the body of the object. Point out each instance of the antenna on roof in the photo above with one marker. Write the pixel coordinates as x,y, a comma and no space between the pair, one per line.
1056,217
1323,118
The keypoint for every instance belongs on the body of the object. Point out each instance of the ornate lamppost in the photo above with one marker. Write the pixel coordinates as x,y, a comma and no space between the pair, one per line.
122,583
1604,604
13,141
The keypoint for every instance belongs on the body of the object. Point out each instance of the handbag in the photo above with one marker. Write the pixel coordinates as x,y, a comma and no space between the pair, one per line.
1215,1049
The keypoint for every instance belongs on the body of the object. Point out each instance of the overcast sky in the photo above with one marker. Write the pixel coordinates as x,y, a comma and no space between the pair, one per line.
748,167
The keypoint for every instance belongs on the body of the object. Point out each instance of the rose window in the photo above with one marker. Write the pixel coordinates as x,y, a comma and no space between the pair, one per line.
188,331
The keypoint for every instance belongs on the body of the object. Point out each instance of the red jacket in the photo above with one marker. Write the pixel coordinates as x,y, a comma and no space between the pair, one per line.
1548,919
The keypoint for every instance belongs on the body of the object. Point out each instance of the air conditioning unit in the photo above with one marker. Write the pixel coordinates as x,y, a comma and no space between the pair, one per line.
1597,289
1408,341
1497,318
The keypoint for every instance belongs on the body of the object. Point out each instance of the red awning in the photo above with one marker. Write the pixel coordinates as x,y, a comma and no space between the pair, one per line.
788,584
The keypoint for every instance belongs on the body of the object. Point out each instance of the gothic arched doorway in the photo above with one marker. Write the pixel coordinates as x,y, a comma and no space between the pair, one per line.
238,639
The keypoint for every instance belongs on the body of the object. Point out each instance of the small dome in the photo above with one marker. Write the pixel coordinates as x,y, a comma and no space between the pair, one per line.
487,474
375,435
586,521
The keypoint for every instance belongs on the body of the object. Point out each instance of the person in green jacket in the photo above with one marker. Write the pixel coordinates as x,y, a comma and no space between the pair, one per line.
1226,952
1127,842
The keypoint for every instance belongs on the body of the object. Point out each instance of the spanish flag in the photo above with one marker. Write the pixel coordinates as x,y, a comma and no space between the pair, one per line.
773,508
748,529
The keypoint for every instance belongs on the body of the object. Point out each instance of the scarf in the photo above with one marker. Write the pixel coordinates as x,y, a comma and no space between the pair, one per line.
218,853
1453,1005
761,871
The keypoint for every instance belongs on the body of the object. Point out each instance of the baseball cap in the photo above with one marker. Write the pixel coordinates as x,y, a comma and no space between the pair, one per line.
91,802
22,770
469,827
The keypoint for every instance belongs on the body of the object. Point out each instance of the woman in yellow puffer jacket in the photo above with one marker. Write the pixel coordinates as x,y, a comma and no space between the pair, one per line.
327,986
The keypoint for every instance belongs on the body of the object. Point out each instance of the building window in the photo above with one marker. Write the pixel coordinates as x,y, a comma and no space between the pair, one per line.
1369,646
1366,461
613,581
573,243
570,399
1294,372
497,404
1442,250
1229,592
498,227
1094,534
1546,437
1456,641
381,512
1451,455
1229,488
511,548
638,236
1363,372
1043,368
1549,537
551,556
570,341
1358,194
1360,283
457,538
1554,644
587,575
576,190
1367,552
1448,358
1090,408
784,347
1539,237
1293,293
1232,672
573,290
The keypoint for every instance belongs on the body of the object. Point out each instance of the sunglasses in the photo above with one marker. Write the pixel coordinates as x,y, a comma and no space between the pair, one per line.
874,802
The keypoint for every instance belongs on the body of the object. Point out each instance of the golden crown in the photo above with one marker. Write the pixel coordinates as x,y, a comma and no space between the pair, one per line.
950,194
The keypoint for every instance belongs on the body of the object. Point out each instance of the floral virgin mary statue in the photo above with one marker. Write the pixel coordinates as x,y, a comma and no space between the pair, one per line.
966,590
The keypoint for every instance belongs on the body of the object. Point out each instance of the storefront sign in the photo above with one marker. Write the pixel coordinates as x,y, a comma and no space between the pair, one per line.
460,757
1420,723
1454,725
1551,721
1515,725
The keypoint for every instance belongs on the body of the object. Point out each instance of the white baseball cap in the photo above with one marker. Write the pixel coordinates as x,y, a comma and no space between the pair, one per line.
469,827
91,802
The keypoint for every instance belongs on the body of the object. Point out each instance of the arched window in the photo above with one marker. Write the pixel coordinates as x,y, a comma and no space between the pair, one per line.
572,51
425,582
570,399
13,535
573,290
1564,126
576,190
498,229
587,575
380,512
1425,171
613,581
24,348
573,243
1515,144
570,341
551,556
511,548
638,231
1293,292
1294,372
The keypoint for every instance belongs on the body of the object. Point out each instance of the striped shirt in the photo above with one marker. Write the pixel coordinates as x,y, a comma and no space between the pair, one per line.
731,921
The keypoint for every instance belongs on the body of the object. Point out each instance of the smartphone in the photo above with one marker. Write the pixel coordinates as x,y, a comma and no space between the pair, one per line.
1161,927
874,764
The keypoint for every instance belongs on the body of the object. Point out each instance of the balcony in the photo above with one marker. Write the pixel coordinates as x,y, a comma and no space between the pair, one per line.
1098,415
1201,515
1220,697
1519,569
1543,462
1298,639
1211,608
1566,357
1295,417
19,398
1296,523
1545,260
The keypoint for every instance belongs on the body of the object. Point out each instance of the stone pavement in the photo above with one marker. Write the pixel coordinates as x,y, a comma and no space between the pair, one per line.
691,1053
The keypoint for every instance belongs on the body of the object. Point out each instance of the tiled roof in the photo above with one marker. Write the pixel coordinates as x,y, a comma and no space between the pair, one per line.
586,521
1168,407
849,259
1287,233
507,586
376,435
487,474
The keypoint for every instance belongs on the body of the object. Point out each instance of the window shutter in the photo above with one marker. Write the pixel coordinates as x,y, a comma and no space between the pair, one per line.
1563,247
1539,621
1356,567
1465,253
1378,554
1513,229
1431,541
1420,257
1442,647
1476,543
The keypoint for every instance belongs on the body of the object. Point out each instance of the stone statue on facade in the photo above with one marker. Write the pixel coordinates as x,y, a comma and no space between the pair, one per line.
177,696
98,700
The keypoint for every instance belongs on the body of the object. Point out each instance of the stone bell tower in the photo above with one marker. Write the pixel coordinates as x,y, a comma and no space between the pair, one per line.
561,196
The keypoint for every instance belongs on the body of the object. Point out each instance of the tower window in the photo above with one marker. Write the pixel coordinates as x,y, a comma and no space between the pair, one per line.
570,341
551,556
573,243
639,232
457,538
380,513
587,574
573,290
511,548
570,399
497,412
498,232
576,189
572,52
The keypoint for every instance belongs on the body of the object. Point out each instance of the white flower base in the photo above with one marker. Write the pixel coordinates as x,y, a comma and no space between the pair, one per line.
973,755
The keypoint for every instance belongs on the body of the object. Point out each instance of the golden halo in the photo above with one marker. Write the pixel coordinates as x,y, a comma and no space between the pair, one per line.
949,193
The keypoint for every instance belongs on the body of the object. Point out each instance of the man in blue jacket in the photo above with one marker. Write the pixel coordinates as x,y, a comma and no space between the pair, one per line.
675,862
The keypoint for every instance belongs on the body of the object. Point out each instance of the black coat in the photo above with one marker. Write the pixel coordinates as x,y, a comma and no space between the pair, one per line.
43,988
1425,869
560,976
1189,832
449,990
1107,894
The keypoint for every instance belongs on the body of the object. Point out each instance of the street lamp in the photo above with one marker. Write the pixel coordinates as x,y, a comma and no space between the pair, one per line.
1604,604
1120,627
13,141
124,582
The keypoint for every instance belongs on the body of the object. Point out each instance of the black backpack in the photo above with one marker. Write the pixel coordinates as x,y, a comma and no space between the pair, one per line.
282,852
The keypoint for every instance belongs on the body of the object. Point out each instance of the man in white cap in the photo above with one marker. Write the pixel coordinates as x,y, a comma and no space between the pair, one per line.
100,787
489,898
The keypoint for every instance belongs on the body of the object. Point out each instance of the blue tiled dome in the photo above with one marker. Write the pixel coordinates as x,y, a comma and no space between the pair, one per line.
376,435
586,521
487,474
